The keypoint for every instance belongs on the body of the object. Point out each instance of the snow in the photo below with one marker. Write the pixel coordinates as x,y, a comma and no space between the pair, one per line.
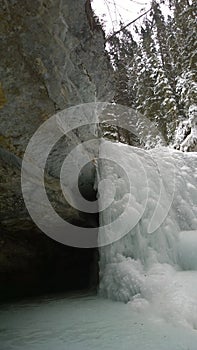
149,232
186,133
87,322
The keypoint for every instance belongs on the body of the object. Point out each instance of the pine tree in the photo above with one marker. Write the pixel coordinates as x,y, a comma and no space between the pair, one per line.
156,75
122,50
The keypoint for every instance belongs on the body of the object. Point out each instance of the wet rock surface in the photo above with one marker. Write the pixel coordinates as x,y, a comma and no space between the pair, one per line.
52,58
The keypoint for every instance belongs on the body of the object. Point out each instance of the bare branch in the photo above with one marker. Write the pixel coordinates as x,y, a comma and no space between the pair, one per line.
127,25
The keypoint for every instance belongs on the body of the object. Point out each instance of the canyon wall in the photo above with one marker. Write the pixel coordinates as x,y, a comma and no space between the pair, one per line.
52,58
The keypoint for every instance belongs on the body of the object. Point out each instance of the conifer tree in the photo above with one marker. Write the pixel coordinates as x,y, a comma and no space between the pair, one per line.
156,74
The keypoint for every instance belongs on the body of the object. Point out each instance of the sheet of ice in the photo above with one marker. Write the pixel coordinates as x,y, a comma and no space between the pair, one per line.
188,250
151,261
87,322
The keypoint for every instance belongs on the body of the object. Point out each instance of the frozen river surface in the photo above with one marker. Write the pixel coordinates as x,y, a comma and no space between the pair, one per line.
87,322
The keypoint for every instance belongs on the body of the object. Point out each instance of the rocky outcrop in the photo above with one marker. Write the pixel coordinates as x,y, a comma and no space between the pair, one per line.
52,57
186,132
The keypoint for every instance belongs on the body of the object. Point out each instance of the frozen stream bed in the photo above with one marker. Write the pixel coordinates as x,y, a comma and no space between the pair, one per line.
148,264
87,322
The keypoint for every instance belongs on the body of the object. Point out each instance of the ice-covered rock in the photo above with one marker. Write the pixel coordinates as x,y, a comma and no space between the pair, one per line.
149,240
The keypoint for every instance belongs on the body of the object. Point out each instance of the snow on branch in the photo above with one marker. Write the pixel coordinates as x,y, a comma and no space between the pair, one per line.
186,133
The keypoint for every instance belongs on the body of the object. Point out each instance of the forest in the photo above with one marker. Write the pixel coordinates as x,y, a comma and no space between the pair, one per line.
155,69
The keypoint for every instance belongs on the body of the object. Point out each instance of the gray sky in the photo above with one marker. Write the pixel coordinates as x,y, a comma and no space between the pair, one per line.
116,10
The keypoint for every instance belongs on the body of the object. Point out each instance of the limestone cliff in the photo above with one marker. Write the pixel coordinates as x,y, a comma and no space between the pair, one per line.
52,57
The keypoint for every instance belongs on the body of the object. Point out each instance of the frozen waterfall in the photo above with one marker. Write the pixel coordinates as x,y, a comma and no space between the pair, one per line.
148,230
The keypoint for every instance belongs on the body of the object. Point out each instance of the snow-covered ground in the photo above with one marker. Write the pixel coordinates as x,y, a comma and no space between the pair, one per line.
152,224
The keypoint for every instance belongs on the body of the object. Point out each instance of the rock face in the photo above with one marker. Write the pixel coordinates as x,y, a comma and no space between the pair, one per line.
186,132
52,57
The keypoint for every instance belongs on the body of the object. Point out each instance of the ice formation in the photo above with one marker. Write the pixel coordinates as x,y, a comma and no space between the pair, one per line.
148,234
